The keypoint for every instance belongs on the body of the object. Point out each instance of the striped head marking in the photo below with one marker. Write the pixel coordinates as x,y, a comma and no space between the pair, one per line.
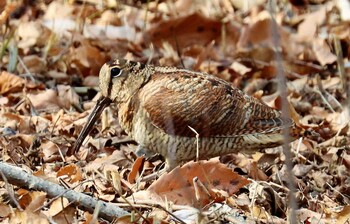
120,78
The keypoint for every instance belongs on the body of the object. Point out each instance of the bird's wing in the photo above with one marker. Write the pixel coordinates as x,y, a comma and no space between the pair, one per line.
185,104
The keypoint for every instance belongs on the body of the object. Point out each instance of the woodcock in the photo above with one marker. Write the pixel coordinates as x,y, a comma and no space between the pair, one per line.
176,112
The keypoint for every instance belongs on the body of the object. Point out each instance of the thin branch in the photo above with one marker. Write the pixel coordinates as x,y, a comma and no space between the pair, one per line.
18,177
282,89
10,191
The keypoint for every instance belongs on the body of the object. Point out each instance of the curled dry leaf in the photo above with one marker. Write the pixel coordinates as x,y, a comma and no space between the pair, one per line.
117,158
72,171
47,101
10,83
87,59
67,96
33,63
31,201
344,8
240,68
258,33
32,33
177,186
109,17
49,148
323,52
135,169
343,216
51,100
307,216
308,28
57,10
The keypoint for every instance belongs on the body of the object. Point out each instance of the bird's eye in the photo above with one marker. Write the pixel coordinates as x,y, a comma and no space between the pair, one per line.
115,72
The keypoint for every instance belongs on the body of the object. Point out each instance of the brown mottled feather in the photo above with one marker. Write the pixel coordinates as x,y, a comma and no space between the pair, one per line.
209,105
159,106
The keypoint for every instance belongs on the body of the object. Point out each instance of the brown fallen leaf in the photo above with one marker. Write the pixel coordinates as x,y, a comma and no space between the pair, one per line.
32,33
57,206
323,52
31,201
135,169
187,30
116,158
343,216
33,63
72,171
47,101
10,83
308,28
87,59
177,186
307,216
6,9
28,217
5,210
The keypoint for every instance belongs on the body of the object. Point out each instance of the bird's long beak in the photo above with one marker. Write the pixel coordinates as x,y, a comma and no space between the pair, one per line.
101,104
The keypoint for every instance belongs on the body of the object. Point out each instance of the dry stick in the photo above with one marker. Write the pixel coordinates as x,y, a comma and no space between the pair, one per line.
10,191
18,177
341,69
197,142
285,111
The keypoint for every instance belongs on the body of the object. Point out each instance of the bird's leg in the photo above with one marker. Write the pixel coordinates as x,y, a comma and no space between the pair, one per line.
143,151
170,164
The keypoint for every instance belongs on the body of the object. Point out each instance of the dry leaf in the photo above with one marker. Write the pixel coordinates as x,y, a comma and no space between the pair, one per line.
87,59
191,29
33,63
307,29
67,96
177,186
57,206
31,34
47,101
10,83
240,68
72,171
322,52
6,10
5,210
135,169
28,217
31,201
117,158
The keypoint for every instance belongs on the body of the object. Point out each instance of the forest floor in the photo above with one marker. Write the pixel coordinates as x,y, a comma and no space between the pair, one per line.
293,53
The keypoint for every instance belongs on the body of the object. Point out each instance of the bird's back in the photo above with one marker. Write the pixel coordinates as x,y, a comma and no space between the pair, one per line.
176,105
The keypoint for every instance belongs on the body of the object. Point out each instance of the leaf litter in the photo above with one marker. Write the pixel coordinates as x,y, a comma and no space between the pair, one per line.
50,59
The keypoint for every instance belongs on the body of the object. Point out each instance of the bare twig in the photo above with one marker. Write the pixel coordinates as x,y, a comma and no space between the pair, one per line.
282,89
197,142
18,177
10,191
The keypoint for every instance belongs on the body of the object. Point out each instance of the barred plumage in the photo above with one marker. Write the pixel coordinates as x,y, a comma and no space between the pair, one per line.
164,108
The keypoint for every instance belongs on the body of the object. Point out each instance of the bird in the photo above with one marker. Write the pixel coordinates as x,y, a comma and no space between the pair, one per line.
185,115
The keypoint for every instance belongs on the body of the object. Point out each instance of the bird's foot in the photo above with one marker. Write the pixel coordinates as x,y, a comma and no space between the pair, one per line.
143,151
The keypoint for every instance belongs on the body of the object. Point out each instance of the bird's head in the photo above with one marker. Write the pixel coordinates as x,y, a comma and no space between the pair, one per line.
118,80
